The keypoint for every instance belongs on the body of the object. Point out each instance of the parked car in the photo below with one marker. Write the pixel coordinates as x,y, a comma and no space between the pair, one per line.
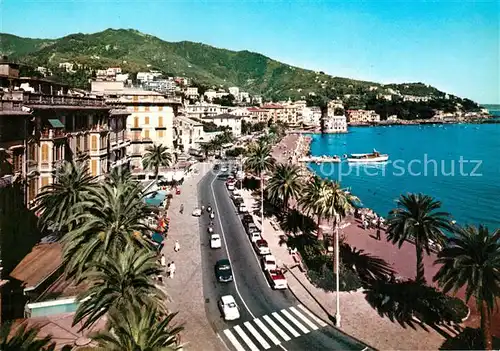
242,208
276,279
262,247
247,218
268,262
197,212
254,236
238,201
228,307
251,227
215,241
223,271
230,187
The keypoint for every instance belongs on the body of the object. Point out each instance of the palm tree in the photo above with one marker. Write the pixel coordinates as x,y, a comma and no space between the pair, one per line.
285,184
259,161
119,176
110,218
57,201
417,218
139,328
118,279
313,200
156,156
24,339
472,259
206,148
335,203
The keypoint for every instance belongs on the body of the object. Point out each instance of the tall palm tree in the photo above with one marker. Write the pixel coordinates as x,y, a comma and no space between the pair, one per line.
24,339
118,279
139,328
418,218
156,156
335,202
472,259
285,184
110,218
260,161
57,201
313,200
119,176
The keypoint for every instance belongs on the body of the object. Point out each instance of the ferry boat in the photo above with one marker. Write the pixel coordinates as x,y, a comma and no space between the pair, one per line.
375,156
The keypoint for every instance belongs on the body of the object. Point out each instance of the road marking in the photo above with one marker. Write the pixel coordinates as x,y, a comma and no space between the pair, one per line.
245,338
285,324
278,329
267,331
301,316
295,321
233,340
313,317
257,336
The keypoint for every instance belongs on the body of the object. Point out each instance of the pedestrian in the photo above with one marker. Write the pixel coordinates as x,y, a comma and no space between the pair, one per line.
177,246
378,233
163,260
182,209
172,269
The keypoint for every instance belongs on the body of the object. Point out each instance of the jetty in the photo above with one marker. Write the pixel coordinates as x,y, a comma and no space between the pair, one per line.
320,159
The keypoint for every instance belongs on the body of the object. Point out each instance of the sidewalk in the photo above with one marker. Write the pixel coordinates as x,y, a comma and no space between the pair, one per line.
359,319
186,288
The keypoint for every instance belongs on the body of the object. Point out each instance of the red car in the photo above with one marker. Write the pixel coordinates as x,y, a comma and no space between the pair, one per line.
177,191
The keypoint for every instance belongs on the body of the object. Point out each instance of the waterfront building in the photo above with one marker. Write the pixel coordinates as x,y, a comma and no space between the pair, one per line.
258,114
311,116
362,116
233,122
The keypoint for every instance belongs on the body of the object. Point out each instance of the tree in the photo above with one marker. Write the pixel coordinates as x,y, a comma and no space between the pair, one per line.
226,100
285,184
139,328
24,339
260,161
471,258
57,201
417,218
206,148
313,200
156,156
111,218
116,280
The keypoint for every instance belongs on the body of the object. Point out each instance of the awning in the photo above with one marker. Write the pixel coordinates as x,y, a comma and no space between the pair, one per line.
157,238
55,123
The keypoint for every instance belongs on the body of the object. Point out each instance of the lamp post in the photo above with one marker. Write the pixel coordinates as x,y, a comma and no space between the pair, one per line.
337,275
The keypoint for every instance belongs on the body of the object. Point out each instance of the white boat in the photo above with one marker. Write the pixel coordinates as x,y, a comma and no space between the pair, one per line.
375,156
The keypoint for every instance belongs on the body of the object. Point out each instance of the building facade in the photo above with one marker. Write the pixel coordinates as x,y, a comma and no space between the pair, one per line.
362,116
233,122
202,110
188,134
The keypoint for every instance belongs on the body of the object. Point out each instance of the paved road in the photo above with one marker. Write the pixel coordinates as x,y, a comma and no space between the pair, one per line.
272,320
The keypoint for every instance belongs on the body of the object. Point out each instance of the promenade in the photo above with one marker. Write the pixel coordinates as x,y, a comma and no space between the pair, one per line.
186,288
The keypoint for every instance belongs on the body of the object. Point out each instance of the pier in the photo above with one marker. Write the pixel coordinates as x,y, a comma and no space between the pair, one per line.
320,159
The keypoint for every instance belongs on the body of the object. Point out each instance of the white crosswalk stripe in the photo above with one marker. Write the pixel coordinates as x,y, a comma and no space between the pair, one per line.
304,319
262,334
313,317
295,321
245,338
257,336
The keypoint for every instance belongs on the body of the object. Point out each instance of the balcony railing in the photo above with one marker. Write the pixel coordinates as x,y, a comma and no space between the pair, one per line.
41,99
52,133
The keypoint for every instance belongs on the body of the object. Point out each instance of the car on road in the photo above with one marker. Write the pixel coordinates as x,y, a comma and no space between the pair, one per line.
247,218
262,247
223,271
251,227
215,241
268,262
238,201
216,167
230,187
242,208
224,169
197,212
228,307
254,236
276,279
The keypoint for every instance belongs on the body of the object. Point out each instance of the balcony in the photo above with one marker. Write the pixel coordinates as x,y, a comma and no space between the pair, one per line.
62,100
52,134
99,128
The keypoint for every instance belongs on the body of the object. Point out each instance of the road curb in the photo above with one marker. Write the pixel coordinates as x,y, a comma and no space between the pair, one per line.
363,343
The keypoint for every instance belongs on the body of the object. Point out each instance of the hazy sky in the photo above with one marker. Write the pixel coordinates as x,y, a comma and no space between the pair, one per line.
453,45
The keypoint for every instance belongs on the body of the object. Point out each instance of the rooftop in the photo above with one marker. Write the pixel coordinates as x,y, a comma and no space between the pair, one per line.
223,115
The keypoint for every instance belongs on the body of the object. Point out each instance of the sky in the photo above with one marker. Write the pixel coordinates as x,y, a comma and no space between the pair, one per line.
452,45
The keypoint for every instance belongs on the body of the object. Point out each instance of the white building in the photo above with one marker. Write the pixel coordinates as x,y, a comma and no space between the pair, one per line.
392,118
189,134
122,77
335,124
240,111
244,97
210,94
191,92
311,116
221,93
226,120
257,99
235,91
67,66
165,86
147,76
201,110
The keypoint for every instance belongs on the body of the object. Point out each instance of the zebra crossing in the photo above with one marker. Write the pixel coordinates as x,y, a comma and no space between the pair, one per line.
270,330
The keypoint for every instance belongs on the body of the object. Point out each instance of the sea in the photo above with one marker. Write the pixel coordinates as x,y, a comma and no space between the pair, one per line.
458,164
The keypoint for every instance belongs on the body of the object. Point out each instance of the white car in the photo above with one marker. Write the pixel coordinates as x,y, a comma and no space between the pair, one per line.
276,279
224,169
215,241
242,209
255,236
269,262
229,308
230,187
197,212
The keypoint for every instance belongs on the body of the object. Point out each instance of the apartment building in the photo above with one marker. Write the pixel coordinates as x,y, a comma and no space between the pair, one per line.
150,117
362,116
226,120
188,134
235,91
258,114
210,94
191,92
164,86
45,124
288,113
335,124
311,116
201,110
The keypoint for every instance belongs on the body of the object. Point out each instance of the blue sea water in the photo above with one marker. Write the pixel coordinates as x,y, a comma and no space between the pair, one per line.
457,164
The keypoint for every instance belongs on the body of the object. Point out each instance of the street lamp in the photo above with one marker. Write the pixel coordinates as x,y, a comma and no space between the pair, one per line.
337,265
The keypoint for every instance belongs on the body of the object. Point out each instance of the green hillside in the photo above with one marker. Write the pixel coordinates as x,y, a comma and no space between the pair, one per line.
206,65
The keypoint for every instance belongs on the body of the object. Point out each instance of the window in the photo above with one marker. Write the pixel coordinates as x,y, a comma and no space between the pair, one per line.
146,108
136,122
93,143
45,181
146,120
160,108
32,189
135,98
160,134
146,134
93,167
45,153
160,122
136,108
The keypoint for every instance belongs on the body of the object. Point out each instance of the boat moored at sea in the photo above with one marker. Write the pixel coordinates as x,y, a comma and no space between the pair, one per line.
375,156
